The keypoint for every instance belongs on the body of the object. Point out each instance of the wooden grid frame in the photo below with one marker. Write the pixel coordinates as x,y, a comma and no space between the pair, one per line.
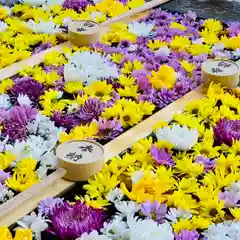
52,186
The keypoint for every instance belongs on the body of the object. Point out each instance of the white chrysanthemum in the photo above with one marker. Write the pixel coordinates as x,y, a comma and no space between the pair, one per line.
93,236
95,15
164,51
148,229
37,223
236,53
181,137
198,41
24,100
115,195
97,1
228,230
116,229
174,214
141,29
218,47
88,67
5,101
3,26
5,194
43,137
67,21
127,208
47,27
132,47
234,187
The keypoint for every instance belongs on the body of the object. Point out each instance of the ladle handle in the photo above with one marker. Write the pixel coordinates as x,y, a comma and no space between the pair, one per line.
26,195
135,11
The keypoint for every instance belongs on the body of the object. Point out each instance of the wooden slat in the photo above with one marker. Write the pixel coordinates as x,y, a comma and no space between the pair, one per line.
111,149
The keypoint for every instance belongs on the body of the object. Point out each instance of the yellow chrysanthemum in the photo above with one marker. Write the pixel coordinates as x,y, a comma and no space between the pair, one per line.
232,42
188,67
20,181
129,66
26,165
235,213
54,58
128,91
198,49
180,43
21,234
80,133
135,3
213,25
73,87
116,57
101,90
126,80
156,44
165,77
177,26
6,159
5,85
209,37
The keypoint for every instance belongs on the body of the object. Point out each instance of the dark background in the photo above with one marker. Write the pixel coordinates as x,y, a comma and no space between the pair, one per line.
219,9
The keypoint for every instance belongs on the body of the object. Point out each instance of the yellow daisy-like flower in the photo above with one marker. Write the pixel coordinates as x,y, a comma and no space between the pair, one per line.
188,67
213,25
101,90
209,37
156,44
3,13
213,209
130,116
232,42
6,159
116,57
135,3
129,66
21,234
177,26
5,85
26,165
198,49
73,87
128,91
147,188
80,133
235,213
54,58
180,43
126,80
94,203
20,181
164,77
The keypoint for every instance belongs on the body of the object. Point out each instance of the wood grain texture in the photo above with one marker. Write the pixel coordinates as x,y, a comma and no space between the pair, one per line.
111,149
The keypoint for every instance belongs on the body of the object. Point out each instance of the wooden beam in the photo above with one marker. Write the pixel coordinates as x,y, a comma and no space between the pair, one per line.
111,149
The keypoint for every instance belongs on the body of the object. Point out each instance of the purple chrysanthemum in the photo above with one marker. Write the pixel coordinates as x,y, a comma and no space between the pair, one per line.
75,4
66,121
15,125
109,129
187,235
26,86
3,176
161,156
47,205
226,131
92,109
234,29
70,222
231,198
41,48
208,164
154,210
